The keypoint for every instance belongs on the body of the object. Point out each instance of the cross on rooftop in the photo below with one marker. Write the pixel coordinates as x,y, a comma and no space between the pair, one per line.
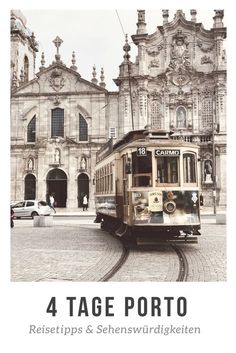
57,41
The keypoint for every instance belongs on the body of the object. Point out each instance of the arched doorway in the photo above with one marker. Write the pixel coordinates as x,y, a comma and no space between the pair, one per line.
30,187
57,185
83,187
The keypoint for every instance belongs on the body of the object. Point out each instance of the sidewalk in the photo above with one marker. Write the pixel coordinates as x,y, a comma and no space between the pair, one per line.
207,215
74,212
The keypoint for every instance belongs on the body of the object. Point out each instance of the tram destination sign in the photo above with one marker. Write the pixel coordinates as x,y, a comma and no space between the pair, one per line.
167,153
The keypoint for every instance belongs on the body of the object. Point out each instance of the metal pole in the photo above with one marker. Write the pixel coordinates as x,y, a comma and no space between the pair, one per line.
214,160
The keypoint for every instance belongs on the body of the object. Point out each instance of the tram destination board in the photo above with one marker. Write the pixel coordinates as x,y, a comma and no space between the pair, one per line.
166,153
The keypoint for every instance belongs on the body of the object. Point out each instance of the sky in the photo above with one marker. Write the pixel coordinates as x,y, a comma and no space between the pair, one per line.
96,36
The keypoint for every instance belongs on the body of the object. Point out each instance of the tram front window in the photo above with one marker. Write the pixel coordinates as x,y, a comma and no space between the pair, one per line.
167,170
142,169
189,168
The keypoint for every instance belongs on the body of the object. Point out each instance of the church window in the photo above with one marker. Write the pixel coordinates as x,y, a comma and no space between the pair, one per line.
156,115
207,113
31,130
57,122
26,69
83,129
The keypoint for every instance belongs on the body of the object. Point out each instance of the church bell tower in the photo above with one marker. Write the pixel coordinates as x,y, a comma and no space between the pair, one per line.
23,50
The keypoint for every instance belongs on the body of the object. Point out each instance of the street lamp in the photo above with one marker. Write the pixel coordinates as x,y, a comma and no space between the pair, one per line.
214,170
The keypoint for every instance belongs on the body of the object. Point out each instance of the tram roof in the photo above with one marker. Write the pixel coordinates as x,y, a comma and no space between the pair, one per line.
163,137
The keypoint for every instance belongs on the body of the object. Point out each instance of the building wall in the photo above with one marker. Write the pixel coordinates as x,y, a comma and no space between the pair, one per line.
59,87
178,83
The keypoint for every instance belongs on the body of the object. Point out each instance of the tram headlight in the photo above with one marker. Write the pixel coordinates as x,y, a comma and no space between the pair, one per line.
169,206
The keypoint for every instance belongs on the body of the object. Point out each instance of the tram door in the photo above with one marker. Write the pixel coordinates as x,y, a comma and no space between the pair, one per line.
125,188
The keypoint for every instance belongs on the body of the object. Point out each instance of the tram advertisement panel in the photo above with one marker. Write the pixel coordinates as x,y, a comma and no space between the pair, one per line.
165,207
106,205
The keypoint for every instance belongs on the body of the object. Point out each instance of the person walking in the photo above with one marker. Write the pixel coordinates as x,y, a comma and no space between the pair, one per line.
85,202
52,202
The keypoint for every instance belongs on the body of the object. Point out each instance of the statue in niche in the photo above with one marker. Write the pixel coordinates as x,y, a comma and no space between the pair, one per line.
57,156
141,15
181,118
30,164
83,163
208,171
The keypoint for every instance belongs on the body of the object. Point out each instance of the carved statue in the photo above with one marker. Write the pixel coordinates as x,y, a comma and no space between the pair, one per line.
208,171
181,118
30,164
83,163
141,15
57,156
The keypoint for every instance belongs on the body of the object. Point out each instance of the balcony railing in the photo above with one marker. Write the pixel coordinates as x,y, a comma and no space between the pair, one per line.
202,139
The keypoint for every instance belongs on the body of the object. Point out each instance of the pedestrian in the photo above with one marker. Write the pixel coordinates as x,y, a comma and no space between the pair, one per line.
52,202
201,200
85,202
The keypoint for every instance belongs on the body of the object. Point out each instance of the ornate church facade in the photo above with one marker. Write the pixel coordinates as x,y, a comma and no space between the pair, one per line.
60,120
178,83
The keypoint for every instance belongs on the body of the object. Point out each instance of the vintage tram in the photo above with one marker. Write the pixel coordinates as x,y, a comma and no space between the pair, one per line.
148,183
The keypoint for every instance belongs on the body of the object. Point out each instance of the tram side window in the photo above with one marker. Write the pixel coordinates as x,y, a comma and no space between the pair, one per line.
142,169
189,166
167,170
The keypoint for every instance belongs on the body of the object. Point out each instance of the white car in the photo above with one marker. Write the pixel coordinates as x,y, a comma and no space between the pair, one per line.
31,208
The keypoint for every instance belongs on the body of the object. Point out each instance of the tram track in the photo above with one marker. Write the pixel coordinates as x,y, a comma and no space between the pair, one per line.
117,266
183,264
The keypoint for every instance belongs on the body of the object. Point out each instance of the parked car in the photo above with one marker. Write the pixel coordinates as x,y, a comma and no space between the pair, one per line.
31,208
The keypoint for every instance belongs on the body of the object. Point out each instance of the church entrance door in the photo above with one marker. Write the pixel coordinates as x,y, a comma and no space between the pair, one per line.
83,188
30,187
57,185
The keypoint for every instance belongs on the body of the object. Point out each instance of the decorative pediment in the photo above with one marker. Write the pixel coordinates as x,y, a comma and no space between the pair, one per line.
58,79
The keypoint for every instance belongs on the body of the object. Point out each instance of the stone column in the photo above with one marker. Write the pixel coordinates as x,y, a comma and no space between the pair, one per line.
143,107
220,107
41,184
195,110
142,58
221,177
166,110
72,191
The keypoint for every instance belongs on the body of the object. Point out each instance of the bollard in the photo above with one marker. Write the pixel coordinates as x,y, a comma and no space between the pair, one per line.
221,218
43,221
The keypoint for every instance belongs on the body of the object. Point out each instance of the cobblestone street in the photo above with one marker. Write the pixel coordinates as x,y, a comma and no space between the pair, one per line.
77,250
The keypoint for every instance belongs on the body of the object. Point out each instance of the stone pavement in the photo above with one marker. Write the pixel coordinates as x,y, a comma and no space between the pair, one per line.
206,260
77,250
61,253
